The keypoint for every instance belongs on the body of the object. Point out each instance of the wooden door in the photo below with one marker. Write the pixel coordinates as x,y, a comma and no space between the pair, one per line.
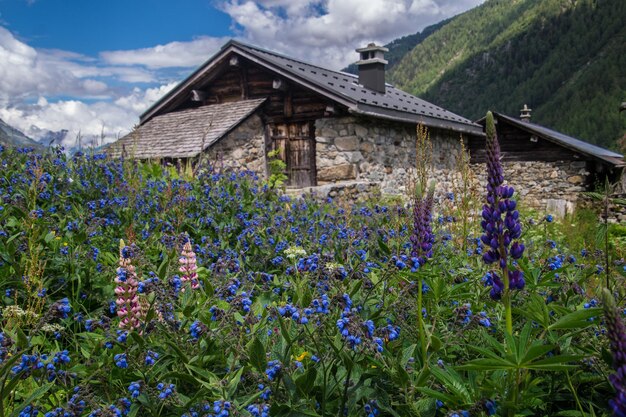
296,145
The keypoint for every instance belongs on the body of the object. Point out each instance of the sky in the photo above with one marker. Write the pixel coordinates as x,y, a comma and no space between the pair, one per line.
92,67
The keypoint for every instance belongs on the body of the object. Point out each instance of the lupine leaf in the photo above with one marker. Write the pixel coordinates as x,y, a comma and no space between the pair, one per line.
576,319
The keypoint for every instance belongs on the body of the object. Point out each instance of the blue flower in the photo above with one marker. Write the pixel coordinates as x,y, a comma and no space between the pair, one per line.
120,360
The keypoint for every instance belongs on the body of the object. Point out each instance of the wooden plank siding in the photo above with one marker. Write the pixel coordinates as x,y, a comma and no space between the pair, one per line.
249,81
516,145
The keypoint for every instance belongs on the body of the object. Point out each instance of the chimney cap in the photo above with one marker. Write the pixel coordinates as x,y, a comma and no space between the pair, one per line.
525,113
372,47
372,54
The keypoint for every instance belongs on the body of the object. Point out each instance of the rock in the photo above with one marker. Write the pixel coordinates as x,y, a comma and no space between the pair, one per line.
347,143
361,131
354,157
328,132
575,179
337,173
323,139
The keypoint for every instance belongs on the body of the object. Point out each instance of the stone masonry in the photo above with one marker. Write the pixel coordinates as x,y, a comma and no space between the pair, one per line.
241,149
354,150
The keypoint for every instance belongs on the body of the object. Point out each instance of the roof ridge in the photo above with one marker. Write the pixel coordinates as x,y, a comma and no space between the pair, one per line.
281,55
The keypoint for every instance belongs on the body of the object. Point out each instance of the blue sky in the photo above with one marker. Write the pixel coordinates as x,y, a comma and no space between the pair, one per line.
93,66
91,26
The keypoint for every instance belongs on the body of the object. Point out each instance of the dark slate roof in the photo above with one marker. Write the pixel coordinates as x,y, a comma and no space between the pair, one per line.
185,133
342,87
565,141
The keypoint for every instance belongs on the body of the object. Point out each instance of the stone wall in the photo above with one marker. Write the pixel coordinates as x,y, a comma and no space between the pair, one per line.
351,148
352,152
346,192
552,187
241,149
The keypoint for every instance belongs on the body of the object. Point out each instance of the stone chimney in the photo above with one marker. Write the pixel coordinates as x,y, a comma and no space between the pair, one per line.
372,67
525,114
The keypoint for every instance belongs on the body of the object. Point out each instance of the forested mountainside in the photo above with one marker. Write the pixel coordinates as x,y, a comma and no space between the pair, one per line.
398,48
566,59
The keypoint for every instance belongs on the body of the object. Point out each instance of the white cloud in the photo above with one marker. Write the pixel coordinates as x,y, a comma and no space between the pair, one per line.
328,31
90,120
173,54
26,72
139,100
318,31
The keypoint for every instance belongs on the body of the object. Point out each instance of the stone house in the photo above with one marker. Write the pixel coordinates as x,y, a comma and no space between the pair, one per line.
332,129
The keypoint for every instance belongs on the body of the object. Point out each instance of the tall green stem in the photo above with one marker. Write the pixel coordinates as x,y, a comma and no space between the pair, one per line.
506,298
420,320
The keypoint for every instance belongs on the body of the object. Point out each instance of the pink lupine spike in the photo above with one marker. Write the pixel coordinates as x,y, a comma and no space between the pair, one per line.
129,308
188,266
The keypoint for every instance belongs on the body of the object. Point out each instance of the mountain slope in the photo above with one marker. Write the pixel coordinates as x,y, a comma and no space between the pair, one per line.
11,136
398,48
564,58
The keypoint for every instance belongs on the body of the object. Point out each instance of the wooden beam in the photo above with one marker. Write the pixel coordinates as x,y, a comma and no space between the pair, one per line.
288,108
243,82
278,84
197,95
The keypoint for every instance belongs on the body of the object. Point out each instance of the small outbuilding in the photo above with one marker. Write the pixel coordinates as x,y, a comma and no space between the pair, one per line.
548,168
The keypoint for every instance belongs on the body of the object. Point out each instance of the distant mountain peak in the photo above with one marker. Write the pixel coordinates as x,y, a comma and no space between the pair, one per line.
14,137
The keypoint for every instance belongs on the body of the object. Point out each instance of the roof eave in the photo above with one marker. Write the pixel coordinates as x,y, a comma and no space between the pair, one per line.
434,122
615,161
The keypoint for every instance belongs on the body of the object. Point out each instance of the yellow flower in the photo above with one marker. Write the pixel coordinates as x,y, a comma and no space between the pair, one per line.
302,356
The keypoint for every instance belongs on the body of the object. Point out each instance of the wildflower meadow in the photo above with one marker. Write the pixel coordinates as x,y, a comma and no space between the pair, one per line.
134,289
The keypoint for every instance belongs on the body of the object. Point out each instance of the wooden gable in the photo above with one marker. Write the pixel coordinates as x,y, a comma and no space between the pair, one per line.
238,78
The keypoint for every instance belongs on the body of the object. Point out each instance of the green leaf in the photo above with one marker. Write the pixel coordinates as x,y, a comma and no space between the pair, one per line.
35,395
256,352
576,319
138,339
49,237
234,382
448,399
487,365
178,351
383,247
306,382
536,351
22,340
554,363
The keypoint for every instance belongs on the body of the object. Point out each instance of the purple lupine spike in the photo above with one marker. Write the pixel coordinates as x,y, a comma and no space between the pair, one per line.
422,238
616,332
500,222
